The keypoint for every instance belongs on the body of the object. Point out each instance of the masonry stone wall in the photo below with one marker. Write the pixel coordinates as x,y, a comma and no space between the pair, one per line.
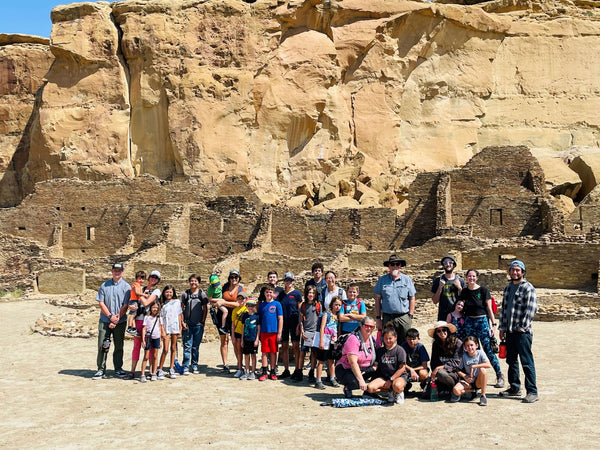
557,266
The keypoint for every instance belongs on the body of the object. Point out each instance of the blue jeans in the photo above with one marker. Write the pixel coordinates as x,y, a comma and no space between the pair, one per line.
518,345
192,337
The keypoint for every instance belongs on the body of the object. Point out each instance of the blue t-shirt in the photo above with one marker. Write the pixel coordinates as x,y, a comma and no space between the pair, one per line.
349,307
114,296
415,358
289,304
267,316
250,324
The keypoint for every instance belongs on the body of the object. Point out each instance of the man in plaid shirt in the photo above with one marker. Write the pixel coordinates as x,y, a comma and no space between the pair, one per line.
519,306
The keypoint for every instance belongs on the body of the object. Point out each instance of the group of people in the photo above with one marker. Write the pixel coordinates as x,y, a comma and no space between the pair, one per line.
331,324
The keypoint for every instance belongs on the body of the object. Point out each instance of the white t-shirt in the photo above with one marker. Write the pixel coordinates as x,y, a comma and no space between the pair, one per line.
329,295
142,310
170,316
149,323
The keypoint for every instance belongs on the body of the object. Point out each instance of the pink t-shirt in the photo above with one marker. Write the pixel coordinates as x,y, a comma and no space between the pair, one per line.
365,352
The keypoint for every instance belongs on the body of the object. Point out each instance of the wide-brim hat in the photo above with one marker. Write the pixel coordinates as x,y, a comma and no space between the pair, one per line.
394,258
441,324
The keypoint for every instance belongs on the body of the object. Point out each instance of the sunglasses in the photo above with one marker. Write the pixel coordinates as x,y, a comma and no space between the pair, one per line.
395,265
442,330
370,327
153,276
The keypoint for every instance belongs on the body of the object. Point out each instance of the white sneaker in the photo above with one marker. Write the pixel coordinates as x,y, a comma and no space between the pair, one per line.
172,373
160,374
239,373
195,369
251,376
186,371
399,398
98,375
153,378
143,379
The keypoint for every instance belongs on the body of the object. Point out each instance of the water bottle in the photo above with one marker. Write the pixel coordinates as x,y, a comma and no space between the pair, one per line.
434,392
178,367
502,350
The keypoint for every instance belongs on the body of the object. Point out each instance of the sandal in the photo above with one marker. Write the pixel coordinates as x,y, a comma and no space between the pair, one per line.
129,376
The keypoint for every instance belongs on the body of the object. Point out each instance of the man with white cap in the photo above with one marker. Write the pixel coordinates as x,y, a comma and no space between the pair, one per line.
395,298
113,300
519,306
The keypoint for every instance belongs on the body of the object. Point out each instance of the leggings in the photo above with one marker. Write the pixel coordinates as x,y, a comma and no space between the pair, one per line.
478,327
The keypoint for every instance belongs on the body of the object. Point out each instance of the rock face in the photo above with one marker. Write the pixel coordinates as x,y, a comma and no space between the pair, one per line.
285,95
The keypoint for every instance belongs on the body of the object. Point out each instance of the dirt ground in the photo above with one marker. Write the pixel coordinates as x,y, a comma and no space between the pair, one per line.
49,400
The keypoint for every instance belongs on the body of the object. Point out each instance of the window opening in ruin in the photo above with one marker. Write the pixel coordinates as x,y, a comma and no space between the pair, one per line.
595,276
90,233
58,208
120,224
83,208
22,228
496,217
82,251
70,224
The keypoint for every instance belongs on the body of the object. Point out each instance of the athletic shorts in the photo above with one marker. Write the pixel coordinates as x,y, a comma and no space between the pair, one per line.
268,342
154,343
237,335
249,348
289,331
323,354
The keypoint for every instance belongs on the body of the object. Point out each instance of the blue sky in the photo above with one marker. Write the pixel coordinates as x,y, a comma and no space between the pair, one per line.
28,16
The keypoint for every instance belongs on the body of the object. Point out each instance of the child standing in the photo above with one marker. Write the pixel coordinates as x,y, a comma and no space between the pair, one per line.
151,333
249,334
237,327
457,318
352,312
416,359
172,317
326,337
215,292
270,325
469,370
390,360
309,317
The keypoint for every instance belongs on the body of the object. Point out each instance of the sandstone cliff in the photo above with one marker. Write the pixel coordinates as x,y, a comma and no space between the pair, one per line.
287,94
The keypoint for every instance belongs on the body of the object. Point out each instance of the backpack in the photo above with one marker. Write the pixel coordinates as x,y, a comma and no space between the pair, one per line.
358,303
336,354
323,293
317,307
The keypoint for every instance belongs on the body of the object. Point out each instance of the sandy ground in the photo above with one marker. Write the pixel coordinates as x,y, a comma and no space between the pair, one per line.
49,400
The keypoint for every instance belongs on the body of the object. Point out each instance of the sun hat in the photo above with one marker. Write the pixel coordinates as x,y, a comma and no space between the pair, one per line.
394,258
441,324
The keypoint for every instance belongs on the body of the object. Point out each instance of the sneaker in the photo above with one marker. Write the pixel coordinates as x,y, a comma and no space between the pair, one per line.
160,374
499,381
186,371
129,376
273,376
334,382
239,373
285,374
131,331
510,392
143,379
195,369
483,401
311,376
120,373
172,373
222,330
99,375
399,398
454,398
251,376
244,376
530,398
263,377
347,392
297,375
153,377
391,397
319,385
225,370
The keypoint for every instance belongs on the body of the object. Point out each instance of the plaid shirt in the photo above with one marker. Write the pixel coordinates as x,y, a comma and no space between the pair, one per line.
517,313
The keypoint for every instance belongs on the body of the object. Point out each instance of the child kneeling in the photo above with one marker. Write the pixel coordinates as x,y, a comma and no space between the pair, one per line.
469,370
391,364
